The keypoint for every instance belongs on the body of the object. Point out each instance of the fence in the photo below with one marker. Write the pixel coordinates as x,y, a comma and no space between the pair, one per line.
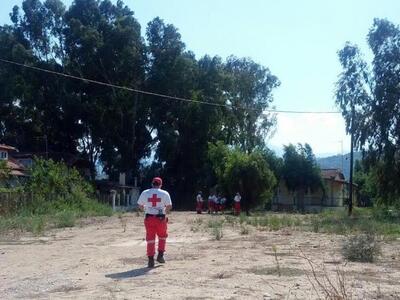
118,200
309,202
13,201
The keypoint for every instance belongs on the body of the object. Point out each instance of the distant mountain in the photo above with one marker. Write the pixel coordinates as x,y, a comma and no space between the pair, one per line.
339,162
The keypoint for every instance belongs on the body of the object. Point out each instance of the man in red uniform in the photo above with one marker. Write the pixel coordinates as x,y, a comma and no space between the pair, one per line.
236,203
212,199
199,203
156,203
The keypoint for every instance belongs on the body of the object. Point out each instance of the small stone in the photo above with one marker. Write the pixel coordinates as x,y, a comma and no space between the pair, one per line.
86,274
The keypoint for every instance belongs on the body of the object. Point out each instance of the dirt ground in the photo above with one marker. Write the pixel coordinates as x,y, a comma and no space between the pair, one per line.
98,260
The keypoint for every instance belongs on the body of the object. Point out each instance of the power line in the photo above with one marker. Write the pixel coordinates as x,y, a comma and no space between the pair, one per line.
157,94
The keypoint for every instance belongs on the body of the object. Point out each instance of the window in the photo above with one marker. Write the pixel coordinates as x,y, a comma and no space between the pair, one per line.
3,155
27,162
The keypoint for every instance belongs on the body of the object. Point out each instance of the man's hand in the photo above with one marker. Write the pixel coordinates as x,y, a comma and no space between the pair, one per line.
168,209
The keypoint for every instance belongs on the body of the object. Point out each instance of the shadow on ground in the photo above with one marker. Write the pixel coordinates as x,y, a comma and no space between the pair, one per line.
131,274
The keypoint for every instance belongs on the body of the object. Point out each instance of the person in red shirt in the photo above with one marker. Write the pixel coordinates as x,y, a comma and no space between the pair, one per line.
199,203
212,202
236,204
156,203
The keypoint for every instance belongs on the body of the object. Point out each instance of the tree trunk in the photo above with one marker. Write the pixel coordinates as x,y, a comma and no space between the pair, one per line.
300,199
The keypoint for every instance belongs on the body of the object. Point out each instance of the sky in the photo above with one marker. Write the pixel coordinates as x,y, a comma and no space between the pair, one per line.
297,40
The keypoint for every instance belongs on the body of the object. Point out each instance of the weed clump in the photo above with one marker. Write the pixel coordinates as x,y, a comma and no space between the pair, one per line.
361,248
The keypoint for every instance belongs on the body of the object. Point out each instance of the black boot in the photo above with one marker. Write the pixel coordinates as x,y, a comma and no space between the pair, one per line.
160,257
151,262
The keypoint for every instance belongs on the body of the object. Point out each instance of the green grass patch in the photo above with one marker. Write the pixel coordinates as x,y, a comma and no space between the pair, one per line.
35,224
57,214
364,220
271,221
64,219
378,221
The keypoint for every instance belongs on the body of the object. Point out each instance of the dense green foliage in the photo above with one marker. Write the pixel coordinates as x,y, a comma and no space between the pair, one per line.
54,186
373,92
248,174
364,178
4,171
300,171
53,196
102,40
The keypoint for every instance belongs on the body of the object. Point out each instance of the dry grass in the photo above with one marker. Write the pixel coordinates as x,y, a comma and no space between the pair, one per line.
331,287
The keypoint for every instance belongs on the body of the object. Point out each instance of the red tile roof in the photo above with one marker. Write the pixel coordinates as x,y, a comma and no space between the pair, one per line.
17,173
15,167
7,147
334,174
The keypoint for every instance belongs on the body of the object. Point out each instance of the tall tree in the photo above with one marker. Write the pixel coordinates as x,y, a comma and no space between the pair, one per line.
300,171
248,174
41,99
174,71
375,94
103,42
248,87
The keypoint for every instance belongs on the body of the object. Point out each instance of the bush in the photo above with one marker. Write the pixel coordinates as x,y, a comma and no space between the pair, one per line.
361,248
53,183
34,224
216,228
250,175
59,196
38,225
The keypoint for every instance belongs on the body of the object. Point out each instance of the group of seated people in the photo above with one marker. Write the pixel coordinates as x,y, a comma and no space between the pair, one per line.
216,203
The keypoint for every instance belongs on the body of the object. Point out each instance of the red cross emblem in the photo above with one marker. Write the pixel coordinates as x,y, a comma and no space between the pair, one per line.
154,200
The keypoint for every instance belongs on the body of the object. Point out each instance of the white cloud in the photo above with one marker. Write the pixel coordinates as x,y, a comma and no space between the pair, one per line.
324,132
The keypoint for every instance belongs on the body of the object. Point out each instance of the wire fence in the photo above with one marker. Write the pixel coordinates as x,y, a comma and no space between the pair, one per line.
10,202
14,201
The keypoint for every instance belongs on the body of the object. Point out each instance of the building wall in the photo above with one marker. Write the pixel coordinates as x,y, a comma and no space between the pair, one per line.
334,196
285,196
334,193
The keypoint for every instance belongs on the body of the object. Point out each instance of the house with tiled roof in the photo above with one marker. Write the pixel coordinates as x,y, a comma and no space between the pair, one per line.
14,168
334,194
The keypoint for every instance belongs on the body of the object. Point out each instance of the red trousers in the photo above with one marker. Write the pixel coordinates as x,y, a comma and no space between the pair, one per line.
237,208
199,207
155,226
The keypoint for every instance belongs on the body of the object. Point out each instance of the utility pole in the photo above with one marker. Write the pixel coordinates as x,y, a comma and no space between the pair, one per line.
351,159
